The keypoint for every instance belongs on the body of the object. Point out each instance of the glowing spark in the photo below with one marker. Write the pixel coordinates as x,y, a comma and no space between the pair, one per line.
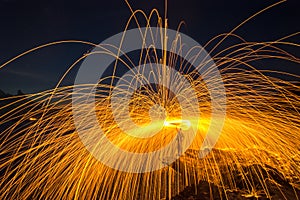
181,124
32,119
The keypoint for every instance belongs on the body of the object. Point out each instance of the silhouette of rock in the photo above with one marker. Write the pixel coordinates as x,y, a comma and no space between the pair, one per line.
278,185
20,92
2,94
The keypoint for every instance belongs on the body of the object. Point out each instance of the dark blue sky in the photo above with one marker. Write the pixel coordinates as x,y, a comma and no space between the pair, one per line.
27,24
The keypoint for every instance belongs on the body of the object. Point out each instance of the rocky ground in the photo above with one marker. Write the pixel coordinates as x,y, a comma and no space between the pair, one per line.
274,182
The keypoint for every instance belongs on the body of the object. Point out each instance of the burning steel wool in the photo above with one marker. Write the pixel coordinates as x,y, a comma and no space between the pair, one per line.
103,139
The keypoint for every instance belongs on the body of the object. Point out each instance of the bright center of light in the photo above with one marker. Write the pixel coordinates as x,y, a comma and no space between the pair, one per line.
182,124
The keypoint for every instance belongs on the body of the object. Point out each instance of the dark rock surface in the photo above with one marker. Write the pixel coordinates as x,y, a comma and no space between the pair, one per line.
277,186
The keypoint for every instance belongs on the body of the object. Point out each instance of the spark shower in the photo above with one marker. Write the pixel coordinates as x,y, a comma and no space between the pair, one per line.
151,113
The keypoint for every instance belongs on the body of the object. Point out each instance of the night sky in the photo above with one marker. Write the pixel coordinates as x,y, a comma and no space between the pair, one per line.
27,24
